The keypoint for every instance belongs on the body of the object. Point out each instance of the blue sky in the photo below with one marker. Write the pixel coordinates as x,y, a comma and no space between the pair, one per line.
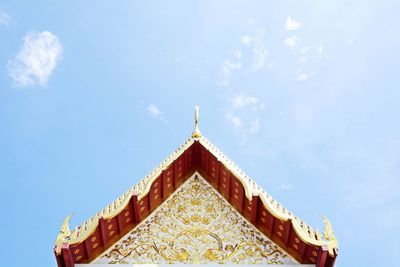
302,95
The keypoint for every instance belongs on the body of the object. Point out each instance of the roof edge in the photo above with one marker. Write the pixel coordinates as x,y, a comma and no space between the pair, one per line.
80,233
304,231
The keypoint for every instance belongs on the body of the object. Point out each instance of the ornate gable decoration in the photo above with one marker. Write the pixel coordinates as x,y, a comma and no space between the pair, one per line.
96,240
195,225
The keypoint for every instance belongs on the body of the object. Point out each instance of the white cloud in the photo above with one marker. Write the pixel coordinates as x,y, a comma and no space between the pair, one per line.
241,100
251,21
243,112
255,126
246,39
303,59
292,41
4,18
156,113
36,60
304,50
237,54
285,186
236,121
230,66
227,69
292,24
301,76
258,49
253,45
260,53
339,25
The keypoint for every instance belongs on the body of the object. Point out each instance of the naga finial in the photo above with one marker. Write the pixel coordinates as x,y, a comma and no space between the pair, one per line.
64,233
196,133
328,230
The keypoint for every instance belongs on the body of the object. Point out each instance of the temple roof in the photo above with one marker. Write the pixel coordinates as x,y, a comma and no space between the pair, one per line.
196,154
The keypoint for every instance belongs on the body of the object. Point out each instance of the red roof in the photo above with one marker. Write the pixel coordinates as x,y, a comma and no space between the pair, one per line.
197,154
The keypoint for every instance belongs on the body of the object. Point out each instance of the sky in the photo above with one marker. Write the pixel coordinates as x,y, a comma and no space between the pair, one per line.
302,95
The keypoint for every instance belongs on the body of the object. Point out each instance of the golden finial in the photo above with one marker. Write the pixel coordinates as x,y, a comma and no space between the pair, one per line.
64,233
196,133
328,231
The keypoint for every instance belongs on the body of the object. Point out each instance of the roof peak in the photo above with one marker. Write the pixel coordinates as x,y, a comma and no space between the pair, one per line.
172,166
196,133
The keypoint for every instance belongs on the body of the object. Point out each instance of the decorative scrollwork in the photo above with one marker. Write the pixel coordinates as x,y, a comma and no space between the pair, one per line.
64,233
328,230
195,225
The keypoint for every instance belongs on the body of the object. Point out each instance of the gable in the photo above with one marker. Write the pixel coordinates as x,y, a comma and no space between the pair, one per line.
100,232
195,225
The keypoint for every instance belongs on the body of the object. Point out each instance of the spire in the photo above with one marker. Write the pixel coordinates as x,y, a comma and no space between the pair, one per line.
196,133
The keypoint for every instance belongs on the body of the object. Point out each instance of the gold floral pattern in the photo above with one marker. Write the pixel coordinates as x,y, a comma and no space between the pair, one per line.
195,225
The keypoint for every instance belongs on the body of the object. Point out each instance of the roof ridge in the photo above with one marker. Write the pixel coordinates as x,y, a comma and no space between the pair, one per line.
141,188
305,231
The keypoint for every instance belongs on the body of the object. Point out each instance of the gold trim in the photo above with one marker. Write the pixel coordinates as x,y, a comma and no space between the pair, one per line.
304,231
64,233
195,218
142,188
196,133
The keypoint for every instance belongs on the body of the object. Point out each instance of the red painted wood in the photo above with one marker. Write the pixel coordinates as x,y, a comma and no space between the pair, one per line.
125,220
169,183
136,207
214,169
264,220
281,230
87,248
225,183
189,159
330,261
103,231
322,255
144,207
59,259
204,160
195,158
79,253
178,171
250,208
156,194
67,256
254,210
93,243
311,254
236,194
272,225
247,208
296,244
120,223
111,226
